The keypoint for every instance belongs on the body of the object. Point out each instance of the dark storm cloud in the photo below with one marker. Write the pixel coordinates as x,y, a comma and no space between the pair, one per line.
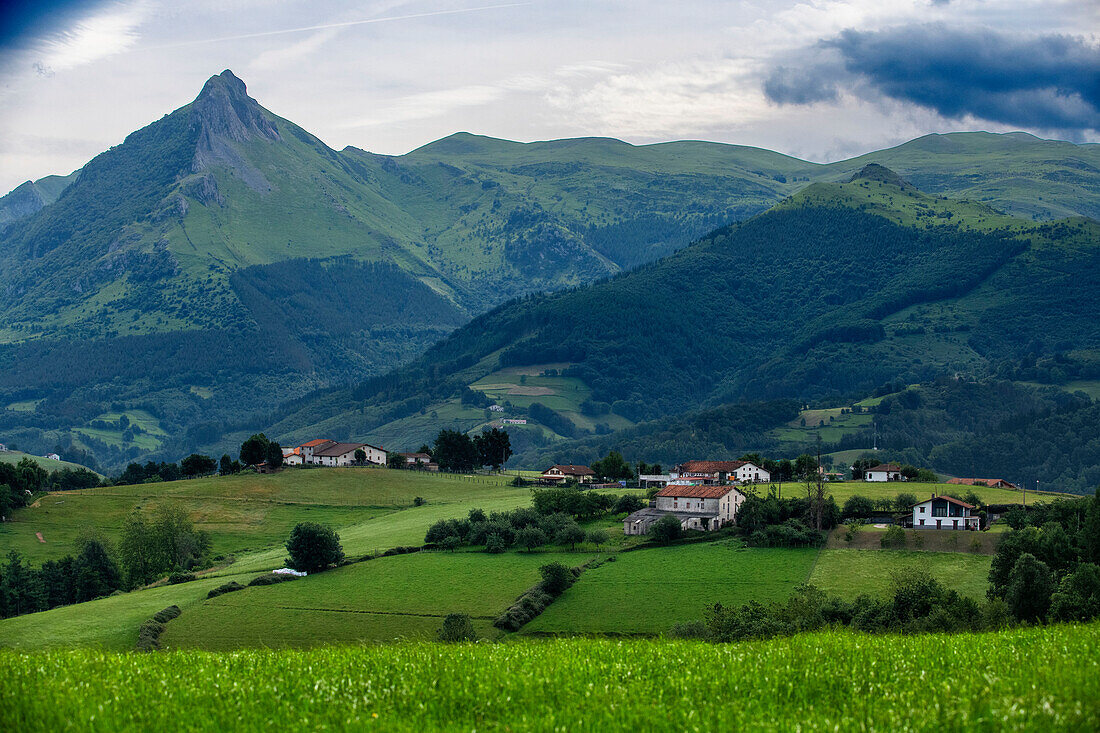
1050,82
20,19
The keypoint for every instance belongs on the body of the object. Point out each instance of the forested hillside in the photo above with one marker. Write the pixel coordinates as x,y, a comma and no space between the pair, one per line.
223,260
823,299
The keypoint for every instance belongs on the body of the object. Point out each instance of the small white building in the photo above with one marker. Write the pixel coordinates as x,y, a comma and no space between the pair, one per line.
292,457
52,456
884,472
944,512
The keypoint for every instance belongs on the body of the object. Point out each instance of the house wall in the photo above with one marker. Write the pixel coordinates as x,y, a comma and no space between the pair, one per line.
685,504
873,475
964,517
292,460
375,455
729,504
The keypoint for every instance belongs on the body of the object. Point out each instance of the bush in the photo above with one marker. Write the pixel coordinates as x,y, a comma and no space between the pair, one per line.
457,627
893,537
598,536
791,533
166,615
177,578
313,547
450,544
627,504
556,577
229,587
419,501
904,502
271,579
690,630
149,636
976,544
666,529
1030,587
570,535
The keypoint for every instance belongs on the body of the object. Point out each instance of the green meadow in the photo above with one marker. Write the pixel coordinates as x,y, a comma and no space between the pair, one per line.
848,573
650,590
820,681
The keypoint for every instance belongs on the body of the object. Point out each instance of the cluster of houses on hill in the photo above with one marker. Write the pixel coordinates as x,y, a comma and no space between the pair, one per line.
325,452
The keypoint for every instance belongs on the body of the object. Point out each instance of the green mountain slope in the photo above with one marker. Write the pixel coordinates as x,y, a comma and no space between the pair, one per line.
837,290
223,260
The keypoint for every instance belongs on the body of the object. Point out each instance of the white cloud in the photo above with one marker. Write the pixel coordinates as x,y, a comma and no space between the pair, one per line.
106,32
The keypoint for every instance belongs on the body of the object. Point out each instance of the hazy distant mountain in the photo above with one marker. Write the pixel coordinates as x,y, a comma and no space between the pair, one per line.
222,259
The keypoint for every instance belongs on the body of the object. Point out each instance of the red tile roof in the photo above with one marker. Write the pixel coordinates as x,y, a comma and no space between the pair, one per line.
986,481
315,442
696,492
573,470
711,466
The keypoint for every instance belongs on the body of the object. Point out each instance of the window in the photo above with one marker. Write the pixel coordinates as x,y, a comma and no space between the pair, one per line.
922,512
922,522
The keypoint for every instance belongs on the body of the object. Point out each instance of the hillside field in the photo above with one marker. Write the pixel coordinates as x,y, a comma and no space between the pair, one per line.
254,512
404,596
650,590
820,681
848,573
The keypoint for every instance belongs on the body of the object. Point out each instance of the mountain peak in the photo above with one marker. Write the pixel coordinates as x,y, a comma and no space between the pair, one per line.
223,108
876,172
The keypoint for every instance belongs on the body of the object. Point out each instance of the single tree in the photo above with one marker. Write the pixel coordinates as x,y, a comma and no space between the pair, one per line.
556,577
457,627
197,464
494,448
530,537
313,547
494,544
254,450
570,535
274,455
225,465
96,573
666,529
451,543
1030,587
395,460
360,456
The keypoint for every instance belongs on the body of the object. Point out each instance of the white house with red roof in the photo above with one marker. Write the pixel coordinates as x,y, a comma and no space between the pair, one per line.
560,474
720,472
292,456
944,512
697,506
883,472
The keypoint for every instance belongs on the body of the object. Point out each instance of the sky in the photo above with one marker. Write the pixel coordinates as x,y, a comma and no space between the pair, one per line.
818,79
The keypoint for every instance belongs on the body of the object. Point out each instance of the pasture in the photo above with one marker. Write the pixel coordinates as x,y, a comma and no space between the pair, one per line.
820,681
390,598
650,590
848,573
107,623
254,513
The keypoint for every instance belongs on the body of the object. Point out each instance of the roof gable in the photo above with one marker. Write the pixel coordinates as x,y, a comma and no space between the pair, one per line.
696,492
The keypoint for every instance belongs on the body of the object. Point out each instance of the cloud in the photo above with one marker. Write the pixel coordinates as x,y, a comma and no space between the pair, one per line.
1048,82
106,32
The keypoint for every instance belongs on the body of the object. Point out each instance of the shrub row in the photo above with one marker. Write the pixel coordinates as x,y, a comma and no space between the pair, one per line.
225,588
556,577
270,579
150,630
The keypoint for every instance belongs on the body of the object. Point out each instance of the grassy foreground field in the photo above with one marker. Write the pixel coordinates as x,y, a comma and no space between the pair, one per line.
821,681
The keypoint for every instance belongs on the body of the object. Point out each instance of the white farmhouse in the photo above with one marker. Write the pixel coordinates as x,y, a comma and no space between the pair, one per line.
343,454
883,472
722,472
705,508
292,456
944,512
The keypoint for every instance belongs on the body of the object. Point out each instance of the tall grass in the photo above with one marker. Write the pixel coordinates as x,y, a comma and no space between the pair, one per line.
1026,679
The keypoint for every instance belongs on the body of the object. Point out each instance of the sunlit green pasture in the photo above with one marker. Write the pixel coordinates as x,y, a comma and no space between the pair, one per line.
848,573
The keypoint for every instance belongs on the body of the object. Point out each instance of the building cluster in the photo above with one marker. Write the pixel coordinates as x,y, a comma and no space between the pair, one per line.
325,452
